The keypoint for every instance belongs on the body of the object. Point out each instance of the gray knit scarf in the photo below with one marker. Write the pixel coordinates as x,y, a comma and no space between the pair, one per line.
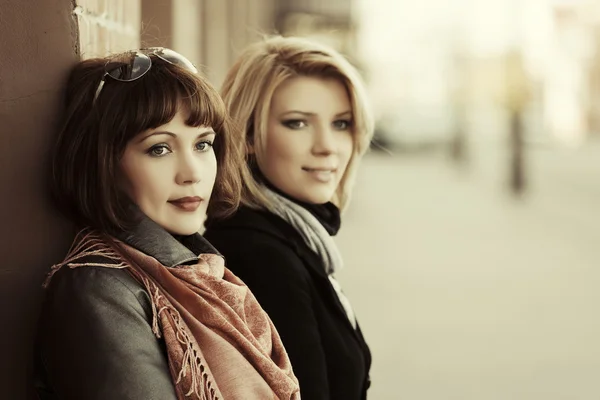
316,238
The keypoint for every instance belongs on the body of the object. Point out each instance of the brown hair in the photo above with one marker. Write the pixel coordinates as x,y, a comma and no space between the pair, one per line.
249,87
94,134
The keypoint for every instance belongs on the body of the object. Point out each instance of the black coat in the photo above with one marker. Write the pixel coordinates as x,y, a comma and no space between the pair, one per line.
330,358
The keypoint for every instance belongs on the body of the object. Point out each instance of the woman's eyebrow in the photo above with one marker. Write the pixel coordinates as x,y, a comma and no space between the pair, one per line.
344,113
207,133
310,114
305,113
158,133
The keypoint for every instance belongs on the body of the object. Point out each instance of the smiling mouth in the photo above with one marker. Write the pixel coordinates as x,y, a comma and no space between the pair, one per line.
323,175
188,204
319,169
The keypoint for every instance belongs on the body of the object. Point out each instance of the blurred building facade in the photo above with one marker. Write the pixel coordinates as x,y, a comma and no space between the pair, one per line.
332,22
210,33
573,78
489,57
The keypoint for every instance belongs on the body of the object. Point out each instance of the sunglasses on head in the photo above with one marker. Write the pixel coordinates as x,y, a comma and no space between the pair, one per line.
132,65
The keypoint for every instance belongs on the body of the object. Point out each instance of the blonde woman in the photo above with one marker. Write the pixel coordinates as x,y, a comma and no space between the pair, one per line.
304,123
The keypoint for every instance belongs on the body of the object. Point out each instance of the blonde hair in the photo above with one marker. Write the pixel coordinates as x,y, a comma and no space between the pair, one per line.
249,87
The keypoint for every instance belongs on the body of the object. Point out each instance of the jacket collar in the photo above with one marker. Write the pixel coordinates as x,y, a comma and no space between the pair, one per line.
170,250
268,223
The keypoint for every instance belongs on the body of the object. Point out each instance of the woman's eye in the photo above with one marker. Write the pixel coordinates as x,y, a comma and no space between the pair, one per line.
159,150
342,124
294,123
204,145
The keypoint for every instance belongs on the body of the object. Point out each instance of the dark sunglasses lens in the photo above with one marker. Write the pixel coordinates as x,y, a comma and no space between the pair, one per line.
128,67
173,57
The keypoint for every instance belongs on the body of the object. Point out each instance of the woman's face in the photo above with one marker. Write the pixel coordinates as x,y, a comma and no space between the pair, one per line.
169,172
309,138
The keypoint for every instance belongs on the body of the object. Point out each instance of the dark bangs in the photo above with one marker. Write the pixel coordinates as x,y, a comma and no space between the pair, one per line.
157,96
88,149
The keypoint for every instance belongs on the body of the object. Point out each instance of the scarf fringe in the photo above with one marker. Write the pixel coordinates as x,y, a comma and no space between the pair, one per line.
200,386
87,243
189,370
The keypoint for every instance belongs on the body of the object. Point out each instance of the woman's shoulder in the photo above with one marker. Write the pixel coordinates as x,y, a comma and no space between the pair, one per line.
96,278
247,217
254,225
259,243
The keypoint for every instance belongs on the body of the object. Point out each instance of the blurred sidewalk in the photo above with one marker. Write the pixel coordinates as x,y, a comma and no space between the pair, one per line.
467,293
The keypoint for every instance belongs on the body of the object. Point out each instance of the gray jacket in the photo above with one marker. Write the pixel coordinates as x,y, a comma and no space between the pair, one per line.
95,338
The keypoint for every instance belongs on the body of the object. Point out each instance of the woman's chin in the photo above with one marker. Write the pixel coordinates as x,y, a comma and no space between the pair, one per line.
186,228
316,197
182,232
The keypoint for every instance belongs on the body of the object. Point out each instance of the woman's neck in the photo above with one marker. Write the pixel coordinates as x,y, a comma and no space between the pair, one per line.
328,214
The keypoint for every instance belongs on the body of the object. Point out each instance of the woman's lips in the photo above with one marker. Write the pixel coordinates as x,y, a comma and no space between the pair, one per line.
323,175
189,204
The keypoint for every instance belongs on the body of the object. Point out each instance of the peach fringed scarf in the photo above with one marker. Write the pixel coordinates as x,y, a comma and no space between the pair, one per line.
220,343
